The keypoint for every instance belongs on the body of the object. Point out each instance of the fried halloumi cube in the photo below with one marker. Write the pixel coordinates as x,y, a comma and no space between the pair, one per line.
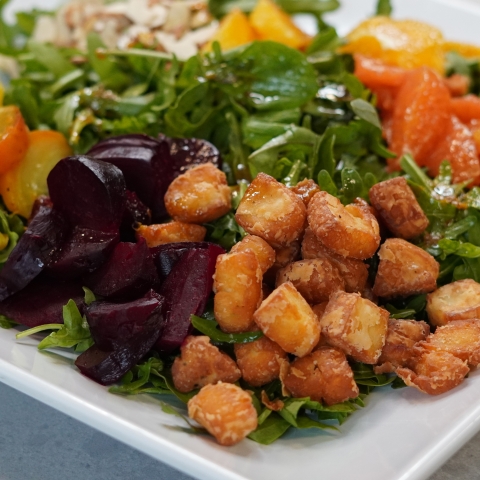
350,231
434,372
283,257
199,195
271,211
171,232
404,270
201,363
315,279
259,361
286,318
237,284
264,252
306,189
324,376
402,336
459,300
355,325
354,272
395,201
226,411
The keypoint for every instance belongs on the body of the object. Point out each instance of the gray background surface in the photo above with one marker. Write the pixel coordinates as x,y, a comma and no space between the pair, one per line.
40,443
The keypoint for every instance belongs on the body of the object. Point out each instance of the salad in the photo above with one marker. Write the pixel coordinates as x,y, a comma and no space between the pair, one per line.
267,230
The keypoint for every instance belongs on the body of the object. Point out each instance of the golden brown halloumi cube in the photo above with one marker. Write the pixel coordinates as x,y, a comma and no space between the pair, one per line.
461,338
271,211
319,309
404,270
459,300
283,257
264,252
350,231
434,372
226,411
171,232
356,326
306,189
402,336
259,361
237,284
395,201
324,376
286,318
201,363
199,195
315,279
354,272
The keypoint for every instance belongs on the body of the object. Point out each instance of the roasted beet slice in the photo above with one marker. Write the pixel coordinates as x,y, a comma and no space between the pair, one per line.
42,302
113,324
35,250
90,193
41,201
84,251
136,212
128,273
186,290
107,367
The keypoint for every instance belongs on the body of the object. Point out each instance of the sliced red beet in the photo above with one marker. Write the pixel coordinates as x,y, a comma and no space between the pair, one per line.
83,252
113,324
136,212
107,367
35,250
186,290
41,201
90,193
128,273
42,302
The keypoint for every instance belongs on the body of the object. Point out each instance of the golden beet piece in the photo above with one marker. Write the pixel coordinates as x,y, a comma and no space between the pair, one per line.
354,272
402,335
259,361
237,284
395,202
349,231
404,270
434,372
286,318
199,195
306,189
315,279
355,325
459,300
272,211
226,411
264,252
172,232
460,338
200,364
324,376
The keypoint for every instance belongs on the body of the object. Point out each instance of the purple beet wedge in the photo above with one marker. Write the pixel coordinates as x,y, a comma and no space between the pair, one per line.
136,213
35,251
186,290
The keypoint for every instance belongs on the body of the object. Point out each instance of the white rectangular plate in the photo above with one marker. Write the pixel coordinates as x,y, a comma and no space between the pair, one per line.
400,435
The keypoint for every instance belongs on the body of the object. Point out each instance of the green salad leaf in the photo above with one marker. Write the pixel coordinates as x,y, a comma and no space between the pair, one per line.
6,322
384,7
210,328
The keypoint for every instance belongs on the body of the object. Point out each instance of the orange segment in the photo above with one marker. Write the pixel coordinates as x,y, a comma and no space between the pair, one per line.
13,137
21,185
466,108
375,73
465,50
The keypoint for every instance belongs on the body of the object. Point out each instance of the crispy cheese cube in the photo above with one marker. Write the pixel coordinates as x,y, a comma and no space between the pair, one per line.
286,318
264,252
237,284
226,411
395,202
259,361
404,270
271,211
319,309
324,376
354,272
283,257
356,326
172,232
434,372
200,364
306,189
402,336
199,195
459,300
315,279
350,231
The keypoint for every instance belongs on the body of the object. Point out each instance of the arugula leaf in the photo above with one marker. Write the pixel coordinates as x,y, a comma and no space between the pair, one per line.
210,328
366,111
6,323
384,7
271,429
11,229
226,231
